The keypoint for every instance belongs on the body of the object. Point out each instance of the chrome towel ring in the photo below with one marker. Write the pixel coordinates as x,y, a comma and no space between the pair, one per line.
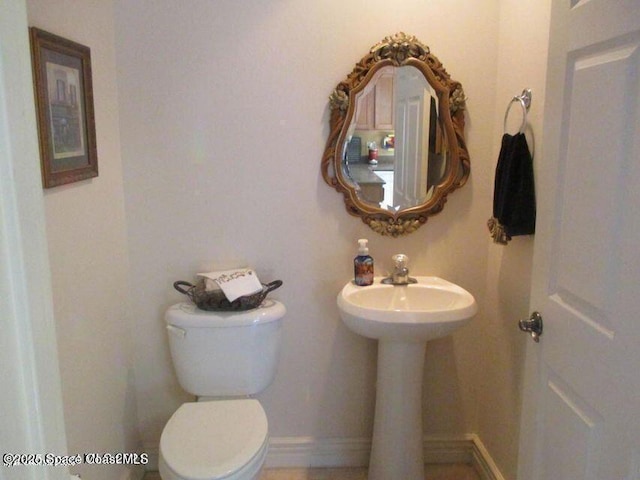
524,100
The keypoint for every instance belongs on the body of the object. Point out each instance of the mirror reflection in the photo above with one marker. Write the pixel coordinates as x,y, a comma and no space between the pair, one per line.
395,151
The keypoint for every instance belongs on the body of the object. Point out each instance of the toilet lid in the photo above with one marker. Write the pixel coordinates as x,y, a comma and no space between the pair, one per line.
211,440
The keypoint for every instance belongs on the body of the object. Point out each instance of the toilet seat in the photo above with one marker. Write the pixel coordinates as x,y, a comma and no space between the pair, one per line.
214,440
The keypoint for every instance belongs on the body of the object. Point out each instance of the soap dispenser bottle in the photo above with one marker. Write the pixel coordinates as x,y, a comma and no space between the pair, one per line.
363,265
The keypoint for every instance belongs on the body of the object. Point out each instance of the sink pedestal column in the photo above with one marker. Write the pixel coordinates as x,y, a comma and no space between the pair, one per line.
397,449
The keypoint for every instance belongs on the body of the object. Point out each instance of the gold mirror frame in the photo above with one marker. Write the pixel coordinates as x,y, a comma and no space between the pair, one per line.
397,50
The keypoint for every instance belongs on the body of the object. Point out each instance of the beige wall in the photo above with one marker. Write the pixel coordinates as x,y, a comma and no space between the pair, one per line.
89,260
522,56
224,117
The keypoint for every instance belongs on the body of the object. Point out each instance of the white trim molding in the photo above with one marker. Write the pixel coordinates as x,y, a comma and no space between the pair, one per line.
308,452
317,452
483,462
303,452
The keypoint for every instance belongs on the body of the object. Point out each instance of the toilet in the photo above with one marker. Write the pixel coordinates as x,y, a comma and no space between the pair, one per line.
222,358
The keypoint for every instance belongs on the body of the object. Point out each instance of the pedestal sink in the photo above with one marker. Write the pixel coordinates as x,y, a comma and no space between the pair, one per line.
402,319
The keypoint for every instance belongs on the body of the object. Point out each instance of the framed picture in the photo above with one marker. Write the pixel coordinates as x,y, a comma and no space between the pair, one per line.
64,107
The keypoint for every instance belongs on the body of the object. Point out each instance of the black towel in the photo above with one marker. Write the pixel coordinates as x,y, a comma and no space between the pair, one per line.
514,198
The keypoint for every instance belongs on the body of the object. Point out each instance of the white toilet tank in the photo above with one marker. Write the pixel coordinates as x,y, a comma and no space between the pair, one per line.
220,354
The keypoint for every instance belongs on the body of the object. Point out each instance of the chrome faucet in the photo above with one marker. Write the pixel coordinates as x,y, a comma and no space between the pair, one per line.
400,274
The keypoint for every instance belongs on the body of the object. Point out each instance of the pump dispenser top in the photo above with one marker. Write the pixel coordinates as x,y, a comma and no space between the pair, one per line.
363,249
363,265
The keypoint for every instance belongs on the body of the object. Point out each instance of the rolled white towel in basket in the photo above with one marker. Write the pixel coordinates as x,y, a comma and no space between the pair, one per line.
233,283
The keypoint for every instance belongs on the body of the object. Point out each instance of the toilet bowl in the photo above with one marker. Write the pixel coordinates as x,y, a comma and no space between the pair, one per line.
214,440
219,357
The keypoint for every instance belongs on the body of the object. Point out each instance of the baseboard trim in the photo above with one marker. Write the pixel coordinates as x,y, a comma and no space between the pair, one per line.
317,452
307,452
300,452
483,462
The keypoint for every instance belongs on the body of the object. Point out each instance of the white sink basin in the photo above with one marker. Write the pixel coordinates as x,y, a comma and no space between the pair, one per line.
422,311
402,318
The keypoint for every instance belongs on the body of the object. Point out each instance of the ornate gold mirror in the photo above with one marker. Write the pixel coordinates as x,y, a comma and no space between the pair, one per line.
396,145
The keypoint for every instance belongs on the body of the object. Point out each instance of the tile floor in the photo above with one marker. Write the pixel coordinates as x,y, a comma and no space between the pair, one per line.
433,472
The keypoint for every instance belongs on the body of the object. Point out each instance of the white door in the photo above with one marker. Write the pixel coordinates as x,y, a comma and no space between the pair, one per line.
581,409
411,142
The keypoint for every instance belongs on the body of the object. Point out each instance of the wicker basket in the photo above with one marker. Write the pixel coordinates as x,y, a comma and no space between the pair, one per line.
215,300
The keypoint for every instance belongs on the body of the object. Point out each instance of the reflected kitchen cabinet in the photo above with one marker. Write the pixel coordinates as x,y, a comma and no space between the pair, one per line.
376,105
